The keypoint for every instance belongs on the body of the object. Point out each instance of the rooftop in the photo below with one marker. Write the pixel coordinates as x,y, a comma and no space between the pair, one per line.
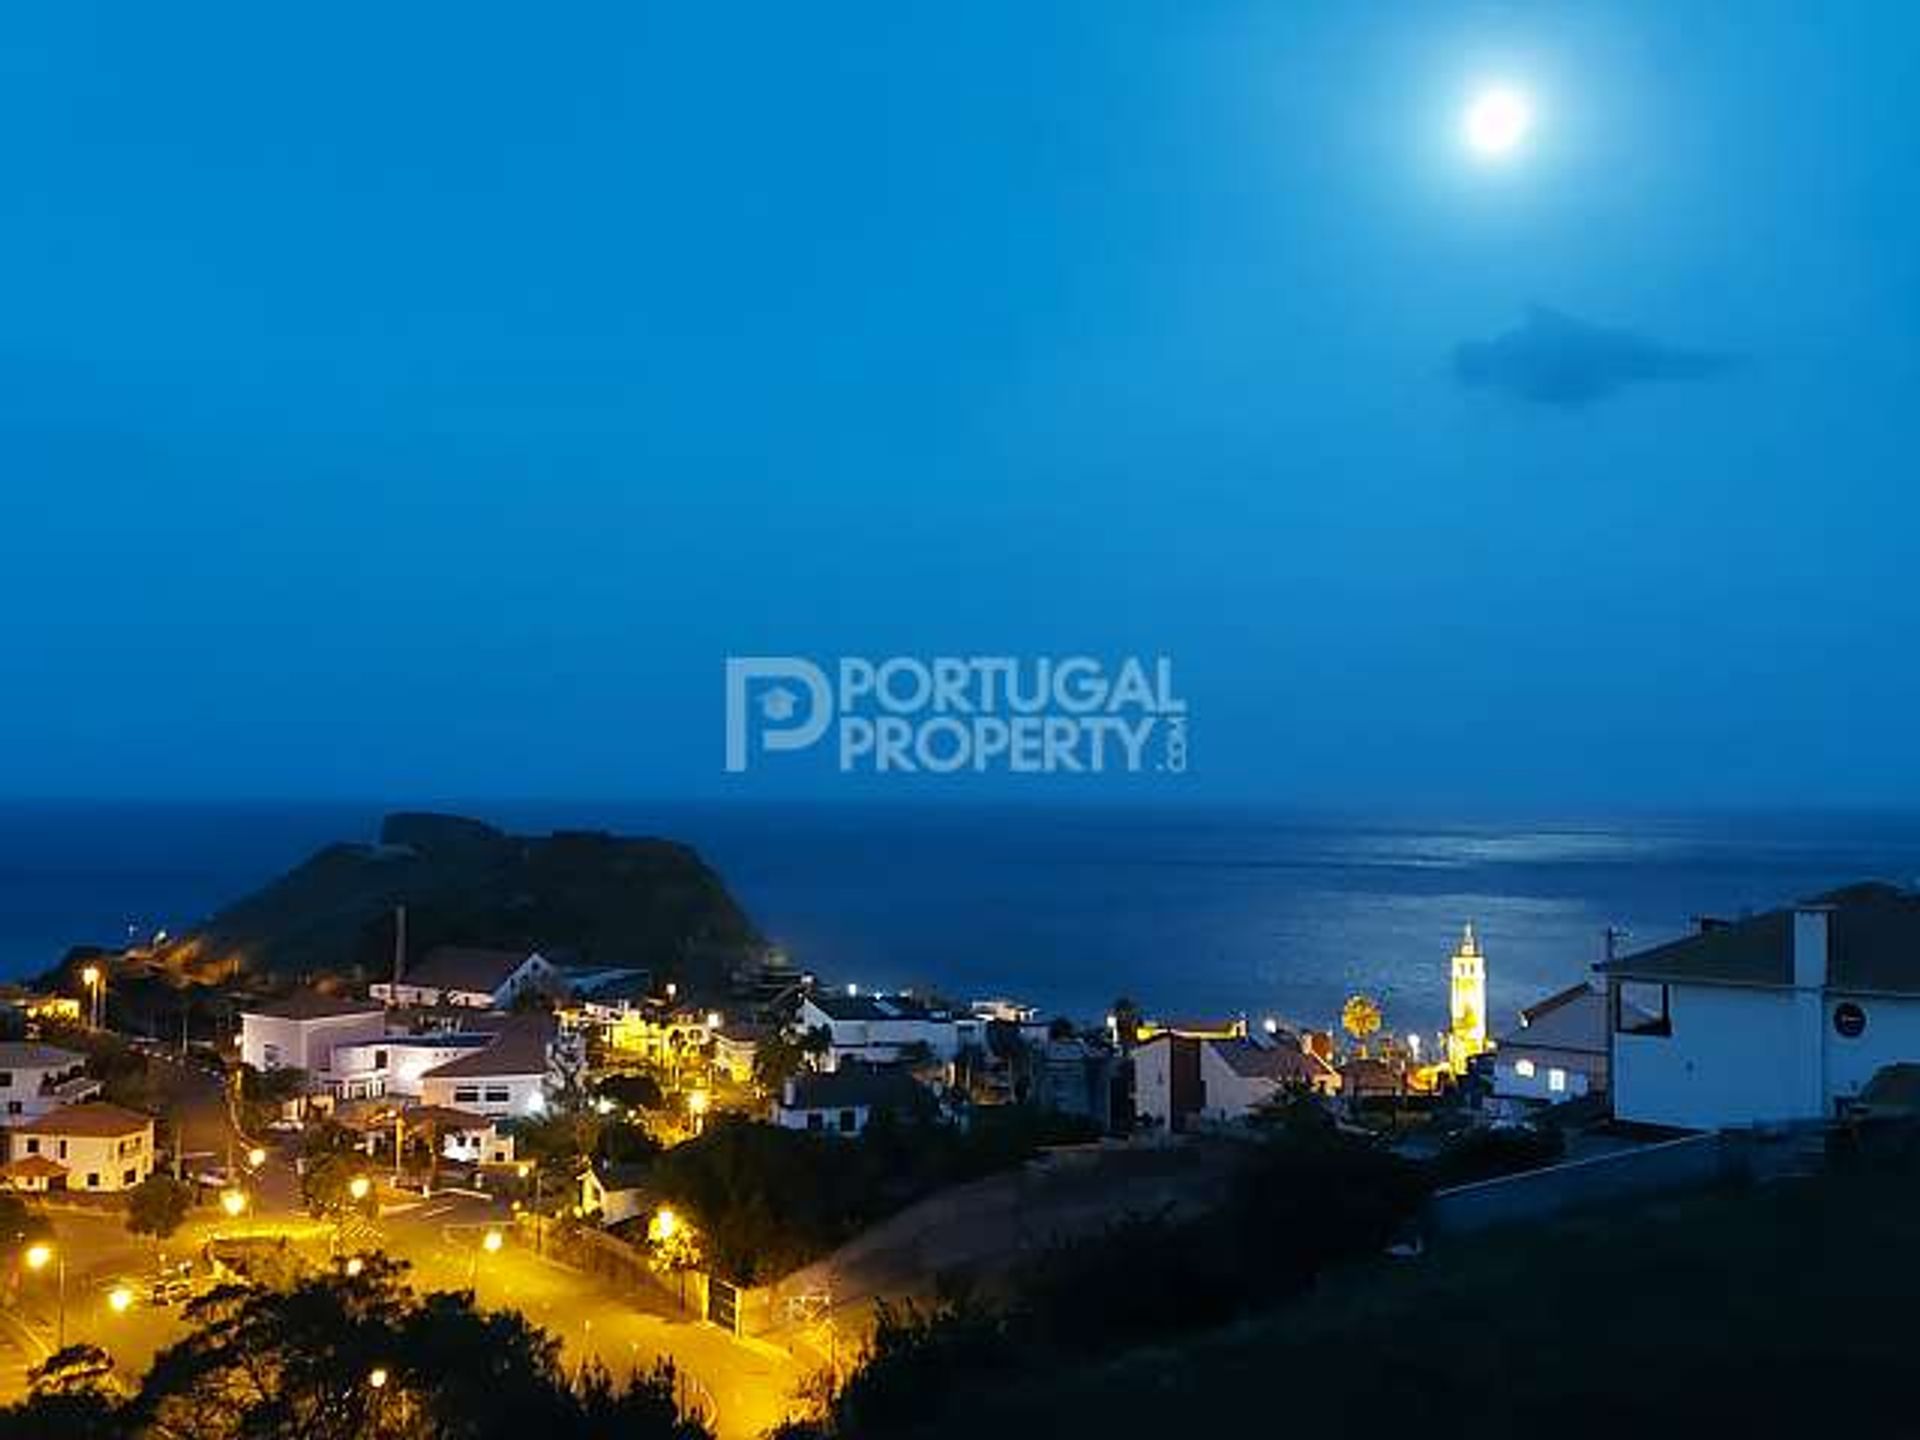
1252,1061
30,1055
519,1049
853,1087
312,1005
870,1007
452,967
96,1120
1873,944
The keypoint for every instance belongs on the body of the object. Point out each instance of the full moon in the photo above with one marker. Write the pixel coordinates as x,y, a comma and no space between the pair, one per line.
1497,120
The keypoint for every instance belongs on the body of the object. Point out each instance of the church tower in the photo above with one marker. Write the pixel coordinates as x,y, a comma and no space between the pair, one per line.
1467,1036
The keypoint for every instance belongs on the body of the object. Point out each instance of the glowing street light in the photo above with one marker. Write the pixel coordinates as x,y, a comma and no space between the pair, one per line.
92,977
234,1202
120,1300
714,1019
665,1225
359,1187
377,1377
40,1254
256,1157
355,1265
492,1241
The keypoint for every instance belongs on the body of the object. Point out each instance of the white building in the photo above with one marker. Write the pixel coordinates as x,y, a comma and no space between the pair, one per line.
1779,1017
613,1192
302,1032
843,1101
36,1079
882,1029
476,979
101,1147
506,1078
1182,1079
1560,1052
397,1064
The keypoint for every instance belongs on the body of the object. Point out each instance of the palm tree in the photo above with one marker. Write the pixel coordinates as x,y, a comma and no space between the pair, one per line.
1360,1017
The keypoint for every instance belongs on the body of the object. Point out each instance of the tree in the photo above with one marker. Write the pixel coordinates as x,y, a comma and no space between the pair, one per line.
70,1399
784,1054
300,1360
1360,1017
157,1206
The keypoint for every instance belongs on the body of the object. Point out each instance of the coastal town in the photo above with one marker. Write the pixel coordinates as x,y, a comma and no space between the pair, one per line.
740,1176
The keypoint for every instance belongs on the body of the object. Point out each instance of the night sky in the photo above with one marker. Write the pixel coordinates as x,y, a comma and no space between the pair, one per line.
424,399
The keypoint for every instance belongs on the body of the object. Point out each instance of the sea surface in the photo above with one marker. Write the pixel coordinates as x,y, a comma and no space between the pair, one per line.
1191,913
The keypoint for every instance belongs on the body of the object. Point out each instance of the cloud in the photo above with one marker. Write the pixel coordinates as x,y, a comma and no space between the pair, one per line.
1554,359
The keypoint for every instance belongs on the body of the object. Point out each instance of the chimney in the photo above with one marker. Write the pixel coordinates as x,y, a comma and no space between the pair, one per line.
1812,930
399,943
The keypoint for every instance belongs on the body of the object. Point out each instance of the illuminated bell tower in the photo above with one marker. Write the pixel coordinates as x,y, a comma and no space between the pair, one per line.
1467,1036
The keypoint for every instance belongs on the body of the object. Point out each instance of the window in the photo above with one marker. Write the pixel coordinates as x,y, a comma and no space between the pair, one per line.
816,1121
93,1180
498,1095
1642,1007
1523,1068
1556,1080
127,1177
466,1094
33,1145
846,1122
14,1107
379,1059
269,1057
6,1080
63,1149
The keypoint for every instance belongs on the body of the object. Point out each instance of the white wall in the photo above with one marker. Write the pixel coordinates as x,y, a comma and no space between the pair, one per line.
271,1042
1737,1056
1579,1073
501,1096
1892,1034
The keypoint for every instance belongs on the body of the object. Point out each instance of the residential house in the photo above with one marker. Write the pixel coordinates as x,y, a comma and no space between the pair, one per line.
1075,1077
613,1192
302,1032
508,1077
99,1147
396,1064
736,1045
843,1101
1184,1079
475,979
35,1079
1559,1052
884,1029
1776,1018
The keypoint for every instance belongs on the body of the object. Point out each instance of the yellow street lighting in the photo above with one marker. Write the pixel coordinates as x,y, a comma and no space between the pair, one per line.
665,1224
492,1241
38,1254
359,1187
355,1265
714,1020
256,1157
377,1377
233,1202
91,975
119,1299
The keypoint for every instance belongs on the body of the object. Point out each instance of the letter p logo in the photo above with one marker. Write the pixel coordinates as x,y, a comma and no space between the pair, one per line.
783,699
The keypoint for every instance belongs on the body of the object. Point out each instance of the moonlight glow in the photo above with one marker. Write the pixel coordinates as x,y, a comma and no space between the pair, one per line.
1497,121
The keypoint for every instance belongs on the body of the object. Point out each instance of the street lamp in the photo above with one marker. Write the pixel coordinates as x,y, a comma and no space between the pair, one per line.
119,1299
39,1254
377,1377
256,1157
492,1241
92,977
355,1265
359,1187
234,1202
665,1224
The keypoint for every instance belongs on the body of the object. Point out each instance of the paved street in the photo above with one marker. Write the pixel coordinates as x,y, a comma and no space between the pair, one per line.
746,1386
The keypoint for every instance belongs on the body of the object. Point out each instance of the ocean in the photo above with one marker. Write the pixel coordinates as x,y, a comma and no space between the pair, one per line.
1191,913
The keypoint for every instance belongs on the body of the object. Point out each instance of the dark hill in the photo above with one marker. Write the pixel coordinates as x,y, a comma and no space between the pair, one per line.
608,899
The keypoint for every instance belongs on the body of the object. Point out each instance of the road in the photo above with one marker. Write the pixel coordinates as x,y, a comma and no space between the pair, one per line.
746,1387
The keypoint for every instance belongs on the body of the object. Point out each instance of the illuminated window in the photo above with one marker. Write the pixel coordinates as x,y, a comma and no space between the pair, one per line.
1556,1080
1523,1068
